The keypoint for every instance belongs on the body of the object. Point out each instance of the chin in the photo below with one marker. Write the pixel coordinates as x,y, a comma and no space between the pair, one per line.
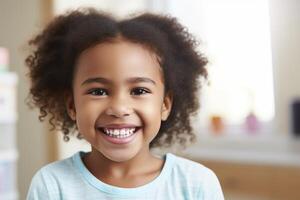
119,156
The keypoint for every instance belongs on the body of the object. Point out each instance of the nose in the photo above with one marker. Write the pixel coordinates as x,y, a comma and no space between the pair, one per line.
119,107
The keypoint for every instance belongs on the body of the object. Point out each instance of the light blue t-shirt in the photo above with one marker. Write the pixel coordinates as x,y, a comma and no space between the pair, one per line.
69,179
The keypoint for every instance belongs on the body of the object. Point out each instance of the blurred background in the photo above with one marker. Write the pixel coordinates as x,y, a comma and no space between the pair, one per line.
248,124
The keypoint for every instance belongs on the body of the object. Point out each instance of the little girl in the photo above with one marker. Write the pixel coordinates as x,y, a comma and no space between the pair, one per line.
124,86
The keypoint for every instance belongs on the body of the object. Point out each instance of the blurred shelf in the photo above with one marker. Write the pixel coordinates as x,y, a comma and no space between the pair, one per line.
270,150
8,78
8,119
8,155
8,150
9,196
8,83
260,141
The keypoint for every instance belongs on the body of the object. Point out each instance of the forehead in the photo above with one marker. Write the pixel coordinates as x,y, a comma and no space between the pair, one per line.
119,59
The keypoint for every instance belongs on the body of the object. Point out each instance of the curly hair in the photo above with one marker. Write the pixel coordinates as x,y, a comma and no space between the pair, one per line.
55,50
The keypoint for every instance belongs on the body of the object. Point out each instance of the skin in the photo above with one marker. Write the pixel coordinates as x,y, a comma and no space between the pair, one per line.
120,99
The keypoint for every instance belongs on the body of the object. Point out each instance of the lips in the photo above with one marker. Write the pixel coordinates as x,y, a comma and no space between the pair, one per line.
119,133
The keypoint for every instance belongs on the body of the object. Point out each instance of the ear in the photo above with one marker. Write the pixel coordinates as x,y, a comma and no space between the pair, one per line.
70,106
167,106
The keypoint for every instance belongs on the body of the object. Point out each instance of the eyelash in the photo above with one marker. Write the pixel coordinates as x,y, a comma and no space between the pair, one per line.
92,91
140,90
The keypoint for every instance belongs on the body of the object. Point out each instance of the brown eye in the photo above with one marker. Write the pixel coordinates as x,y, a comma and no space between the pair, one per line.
139,91
98,92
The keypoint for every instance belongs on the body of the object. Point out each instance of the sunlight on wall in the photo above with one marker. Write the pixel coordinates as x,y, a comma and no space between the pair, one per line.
237,37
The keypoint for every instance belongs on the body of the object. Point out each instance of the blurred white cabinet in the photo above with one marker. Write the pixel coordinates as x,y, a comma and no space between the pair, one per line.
8,151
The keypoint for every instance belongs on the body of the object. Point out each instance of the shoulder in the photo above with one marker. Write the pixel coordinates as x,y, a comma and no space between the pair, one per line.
55,170
189,167
198,177
45,182
57,167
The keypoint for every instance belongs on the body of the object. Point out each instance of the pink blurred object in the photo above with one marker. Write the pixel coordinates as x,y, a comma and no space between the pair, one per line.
4,58
252,124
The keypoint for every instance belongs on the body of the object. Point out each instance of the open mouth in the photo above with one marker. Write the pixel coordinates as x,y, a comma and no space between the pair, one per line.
119,132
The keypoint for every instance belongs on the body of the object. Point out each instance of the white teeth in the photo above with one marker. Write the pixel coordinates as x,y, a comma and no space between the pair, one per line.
122,131
119,133
116,132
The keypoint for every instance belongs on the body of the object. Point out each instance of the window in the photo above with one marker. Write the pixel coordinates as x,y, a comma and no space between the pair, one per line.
235,36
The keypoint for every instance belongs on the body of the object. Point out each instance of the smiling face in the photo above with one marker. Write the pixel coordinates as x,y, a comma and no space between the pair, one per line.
118,99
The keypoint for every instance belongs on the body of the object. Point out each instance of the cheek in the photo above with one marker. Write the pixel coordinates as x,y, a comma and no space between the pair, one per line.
87,113
152,120
152,111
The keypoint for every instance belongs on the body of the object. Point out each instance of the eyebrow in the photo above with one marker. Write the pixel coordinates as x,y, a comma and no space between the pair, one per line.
107,81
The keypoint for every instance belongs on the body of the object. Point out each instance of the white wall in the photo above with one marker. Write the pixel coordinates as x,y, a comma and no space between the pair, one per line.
19,19
285,42
285,33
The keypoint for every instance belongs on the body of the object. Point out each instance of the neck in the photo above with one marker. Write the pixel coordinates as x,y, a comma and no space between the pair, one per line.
102,166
